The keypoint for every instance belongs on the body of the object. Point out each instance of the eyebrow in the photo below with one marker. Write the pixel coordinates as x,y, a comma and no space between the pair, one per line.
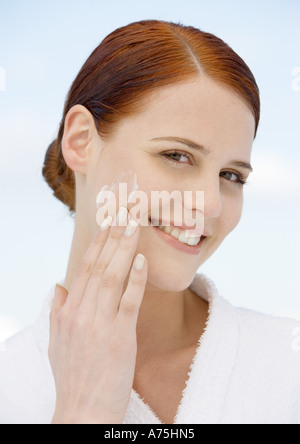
201,148
187,142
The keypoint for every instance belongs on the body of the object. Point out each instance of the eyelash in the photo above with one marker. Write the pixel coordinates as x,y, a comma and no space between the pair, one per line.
241,181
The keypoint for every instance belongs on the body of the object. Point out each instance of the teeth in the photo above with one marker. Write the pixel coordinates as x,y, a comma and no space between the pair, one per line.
176,232
184,239
180,235
167,229
194,241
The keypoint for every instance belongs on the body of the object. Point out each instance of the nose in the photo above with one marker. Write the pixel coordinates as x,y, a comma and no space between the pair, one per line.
212,200
210,187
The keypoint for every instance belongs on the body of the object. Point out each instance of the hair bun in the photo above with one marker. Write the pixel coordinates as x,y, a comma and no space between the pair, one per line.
59,176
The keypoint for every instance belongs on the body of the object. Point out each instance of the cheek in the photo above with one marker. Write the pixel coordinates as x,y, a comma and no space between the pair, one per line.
231,214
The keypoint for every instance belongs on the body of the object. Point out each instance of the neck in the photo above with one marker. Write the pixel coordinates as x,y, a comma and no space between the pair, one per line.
162,320
167,320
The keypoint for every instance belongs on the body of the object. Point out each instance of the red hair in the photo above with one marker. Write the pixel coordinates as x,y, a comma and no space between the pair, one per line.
132,62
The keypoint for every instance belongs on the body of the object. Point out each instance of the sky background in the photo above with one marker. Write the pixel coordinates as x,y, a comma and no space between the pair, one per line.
42,47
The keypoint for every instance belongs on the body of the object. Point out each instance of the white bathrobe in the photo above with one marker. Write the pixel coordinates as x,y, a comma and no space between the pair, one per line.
246,370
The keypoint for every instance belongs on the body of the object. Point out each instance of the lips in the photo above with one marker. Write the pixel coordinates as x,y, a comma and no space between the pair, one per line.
191,230
175,243
175,236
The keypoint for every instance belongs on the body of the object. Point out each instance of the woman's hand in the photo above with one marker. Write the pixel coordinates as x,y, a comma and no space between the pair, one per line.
93,343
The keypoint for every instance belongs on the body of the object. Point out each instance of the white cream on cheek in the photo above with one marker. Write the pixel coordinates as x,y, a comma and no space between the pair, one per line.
118,194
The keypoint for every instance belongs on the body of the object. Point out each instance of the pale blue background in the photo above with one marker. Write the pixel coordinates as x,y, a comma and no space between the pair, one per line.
42,47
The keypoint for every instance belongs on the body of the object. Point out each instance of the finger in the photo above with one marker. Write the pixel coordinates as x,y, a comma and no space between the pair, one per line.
60,297
90,300
86,265
133,296
112,282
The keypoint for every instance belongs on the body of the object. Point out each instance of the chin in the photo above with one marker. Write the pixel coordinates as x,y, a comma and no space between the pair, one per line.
168,278
169,269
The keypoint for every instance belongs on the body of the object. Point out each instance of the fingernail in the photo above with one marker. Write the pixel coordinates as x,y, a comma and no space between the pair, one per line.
122,217
59,287
106,223
139,262
131,228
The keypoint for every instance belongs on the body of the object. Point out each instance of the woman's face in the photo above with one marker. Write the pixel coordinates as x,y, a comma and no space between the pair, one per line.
201,111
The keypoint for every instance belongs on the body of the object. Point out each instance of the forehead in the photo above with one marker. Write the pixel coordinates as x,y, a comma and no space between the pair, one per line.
201,110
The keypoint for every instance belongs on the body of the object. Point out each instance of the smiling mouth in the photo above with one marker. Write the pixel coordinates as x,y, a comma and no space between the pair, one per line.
178,233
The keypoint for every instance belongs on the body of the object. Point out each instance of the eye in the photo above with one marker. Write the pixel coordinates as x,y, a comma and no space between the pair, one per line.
180,155
234,177
231,176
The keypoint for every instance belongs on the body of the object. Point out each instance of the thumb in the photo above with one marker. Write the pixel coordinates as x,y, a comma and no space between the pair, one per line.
60,297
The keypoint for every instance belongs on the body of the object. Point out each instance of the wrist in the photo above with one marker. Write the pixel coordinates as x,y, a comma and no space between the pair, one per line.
59,419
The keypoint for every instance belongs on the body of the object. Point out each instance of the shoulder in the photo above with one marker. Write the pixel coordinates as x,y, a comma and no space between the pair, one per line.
265,353
274,342
269,334
268,361
272,336
27,388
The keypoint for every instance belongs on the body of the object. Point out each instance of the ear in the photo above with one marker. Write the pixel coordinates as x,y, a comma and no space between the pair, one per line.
78,138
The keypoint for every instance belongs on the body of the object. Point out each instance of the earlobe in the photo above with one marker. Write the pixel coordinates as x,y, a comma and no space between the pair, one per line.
78,138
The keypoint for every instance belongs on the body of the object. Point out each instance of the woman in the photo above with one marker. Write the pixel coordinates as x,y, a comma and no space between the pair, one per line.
152,343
